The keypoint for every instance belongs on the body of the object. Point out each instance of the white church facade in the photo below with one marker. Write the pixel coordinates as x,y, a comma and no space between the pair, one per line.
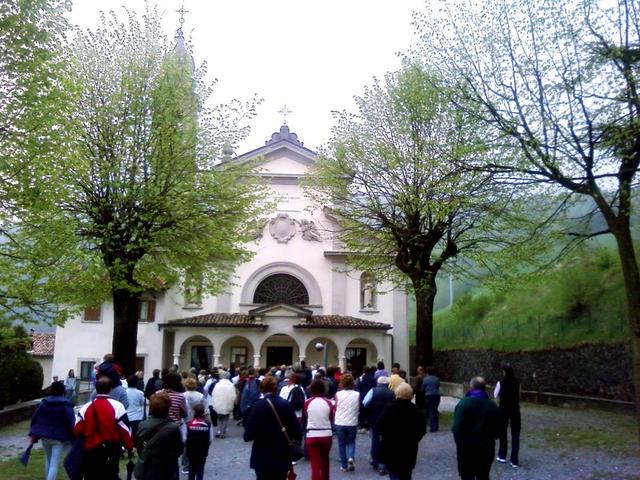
294,293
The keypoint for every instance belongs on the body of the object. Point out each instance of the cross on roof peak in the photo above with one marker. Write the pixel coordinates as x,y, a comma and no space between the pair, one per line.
285,112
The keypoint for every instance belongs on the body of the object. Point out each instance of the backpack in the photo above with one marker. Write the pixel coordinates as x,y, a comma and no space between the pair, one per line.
296,398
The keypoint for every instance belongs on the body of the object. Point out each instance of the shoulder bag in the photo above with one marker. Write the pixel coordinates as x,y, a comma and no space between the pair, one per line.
295,449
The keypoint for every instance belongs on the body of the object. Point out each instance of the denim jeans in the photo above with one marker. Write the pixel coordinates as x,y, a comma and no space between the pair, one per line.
346,442
53,450
375,448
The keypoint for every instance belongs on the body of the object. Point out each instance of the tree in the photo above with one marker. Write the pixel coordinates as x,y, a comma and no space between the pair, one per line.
136,201
30,36
391,180
556,83
20,375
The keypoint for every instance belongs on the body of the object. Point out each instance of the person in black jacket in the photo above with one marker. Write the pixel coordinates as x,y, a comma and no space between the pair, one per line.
158,442
153,384
374,402
270,451
198,441
508,391
401,425
365,383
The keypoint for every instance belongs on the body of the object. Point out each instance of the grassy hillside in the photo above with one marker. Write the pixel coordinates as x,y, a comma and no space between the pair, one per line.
581,300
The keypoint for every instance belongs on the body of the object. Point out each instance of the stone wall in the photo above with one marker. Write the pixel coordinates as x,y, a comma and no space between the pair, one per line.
594,370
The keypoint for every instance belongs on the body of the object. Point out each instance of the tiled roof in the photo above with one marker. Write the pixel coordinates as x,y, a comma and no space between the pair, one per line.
217,320
241,320
43,344
341,321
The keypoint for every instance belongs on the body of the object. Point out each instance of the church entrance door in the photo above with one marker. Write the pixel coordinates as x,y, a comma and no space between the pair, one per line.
277,356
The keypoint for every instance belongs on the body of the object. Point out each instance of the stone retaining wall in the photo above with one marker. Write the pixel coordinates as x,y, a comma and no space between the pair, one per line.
592,370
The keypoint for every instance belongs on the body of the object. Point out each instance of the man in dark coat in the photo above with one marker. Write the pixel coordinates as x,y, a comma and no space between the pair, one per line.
159,442
477,422
401,425
270,451
365,383
153,384
374,402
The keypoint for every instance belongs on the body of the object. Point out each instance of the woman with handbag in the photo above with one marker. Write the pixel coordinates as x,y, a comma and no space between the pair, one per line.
272,425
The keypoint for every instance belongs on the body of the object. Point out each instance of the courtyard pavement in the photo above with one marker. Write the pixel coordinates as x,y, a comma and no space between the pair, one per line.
545,454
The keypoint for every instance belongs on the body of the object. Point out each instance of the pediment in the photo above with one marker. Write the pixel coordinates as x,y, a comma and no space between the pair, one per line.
280,310
280,153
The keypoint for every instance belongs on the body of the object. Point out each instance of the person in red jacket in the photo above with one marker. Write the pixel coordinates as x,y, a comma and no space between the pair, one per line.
103,424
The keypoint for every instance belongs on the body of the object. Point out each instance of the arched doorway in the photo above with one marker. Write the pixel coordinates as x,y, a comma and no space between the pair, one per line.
196,352
360,352
237,350
279,349
315,356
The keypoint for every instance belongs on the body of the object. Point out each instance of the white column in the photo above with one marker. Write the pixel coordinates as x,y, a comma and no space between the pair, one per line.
256,361
176,359
216,360
342,362
301,358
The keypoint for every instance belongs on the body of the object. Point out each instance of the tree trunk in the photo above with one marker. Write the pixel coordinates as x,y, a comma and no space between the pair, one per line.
425,292
631,277
125,329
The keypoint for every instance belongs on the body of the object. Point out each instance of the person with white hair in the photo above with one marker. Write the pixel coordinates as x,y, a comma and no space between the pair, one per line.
224,397
477,422
374,402
401,425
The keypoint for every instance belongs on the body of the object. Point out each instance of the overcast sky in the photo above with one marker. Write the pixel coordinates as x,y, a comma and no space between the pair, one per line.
313,56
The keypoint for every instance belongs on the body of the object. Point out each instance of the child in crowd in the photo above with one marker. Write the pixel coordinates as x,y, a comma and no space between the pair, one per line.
198,441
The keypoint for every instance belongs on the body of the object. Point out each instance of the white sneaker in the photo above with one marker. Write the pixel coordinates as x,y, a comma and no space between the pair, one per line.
501,460
514,465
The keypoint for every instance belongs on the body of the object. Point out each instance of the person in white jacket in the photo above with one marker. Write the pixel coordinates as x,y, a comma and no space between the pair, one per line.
224,396
347,409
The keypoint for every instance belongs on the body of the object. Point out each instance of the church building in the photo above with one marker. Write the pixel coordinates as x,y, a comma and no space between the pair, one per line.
295,300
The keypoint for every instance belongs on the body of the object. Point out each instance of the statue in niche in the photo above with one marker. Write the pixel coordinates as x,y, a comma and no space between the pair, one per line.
282,228
309,231
367,292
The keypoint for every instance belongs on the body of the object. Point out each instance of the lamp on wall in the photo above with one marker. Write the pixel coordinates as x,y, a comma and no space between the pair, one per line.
322,347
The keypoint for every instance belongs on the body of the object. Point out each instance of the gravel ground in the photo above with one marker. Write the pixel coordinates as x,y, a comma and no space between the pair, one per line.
556,443
229,457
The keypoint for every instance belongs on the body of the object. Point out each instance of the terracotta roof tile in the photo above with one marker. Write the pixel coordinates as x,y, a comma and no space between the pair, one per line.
241,320
217,320
43,344
341,321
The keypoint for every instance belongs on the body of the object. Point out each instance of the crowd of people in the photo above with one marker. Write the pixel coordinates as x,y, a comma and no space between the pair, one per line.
283,410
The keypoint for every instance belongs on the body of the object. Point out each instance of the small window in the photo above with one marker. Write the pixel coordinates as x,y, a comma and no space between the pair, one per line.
91,314
147,312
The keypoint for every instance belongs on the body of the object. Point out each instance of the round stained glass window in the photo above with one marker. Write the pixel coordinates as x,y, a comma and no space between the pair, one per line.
281,288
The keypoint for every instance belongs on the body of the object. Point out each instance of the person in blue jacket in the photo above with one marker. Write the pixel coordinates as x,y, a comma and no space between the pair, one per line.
52,423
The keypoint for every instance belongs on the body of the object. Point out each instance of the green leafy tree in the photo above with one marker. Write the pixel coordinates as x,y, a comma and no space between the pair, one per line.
20,375
136,200
403,206
556,84
30,36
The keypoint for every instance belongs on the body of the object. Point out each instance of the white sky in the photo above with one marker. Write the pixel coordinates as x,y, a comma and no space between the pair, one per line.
313,56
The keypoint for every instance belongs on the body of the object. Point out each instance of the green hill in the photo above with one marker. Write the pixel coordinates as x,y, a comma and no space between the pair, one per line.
581,300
